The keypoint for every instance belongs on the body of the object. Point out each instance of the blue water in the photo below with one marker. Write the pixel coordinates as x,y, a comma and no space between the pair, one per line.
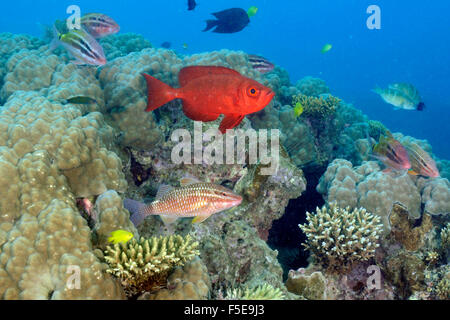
412,46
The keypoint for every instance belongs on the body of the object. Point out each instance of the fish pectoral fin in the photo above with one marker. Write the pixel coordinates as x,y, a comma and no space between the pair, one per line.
230,121
193,114
200,218
168,220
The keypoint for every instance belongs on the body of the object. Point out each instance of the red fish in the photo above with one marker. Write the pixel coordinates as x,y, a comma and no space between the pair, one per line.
209,91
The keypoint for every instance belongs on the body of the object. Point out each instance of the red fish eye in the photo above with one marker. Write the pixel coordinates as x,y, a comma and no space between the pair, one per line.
253,92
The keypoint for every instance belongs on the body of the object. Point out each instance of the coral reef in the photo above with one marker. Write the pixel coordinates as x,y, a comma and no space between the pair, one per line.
311,287
338,237
312,86
143,264
317,108
120,45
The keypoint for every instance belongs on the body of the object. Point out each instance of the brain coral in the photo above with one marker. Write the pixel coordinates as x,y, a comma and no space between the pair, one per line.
119,45
366,186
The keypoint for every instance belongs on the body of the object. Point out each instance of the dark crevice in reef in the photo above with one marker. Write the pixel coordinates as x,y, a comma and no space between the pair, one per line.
285,235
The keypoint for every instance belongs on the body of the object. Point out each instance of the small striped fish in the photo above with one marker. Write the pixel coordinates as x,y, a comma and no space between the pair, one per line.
81,45
99,25
392,153
193,199
260,63
421,162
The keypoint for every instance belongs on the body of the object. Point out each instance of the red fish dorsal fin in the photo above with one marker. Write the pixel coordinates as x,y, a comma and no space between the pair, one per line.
189,73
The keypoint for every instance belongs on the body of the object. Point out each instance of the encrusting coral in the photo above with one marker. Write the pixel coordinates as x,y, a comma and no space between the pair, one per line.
144,264
338,237
311,287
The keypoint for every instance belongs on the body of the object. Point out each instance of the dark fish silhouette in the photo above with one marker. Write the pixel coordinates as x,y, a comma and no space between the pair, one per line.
228,21
191,4
166,44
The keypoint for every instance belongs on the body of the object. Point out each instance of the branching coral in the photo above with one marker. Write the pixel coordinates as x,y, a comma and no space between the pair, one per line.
315,107
145,263
338,237
262,292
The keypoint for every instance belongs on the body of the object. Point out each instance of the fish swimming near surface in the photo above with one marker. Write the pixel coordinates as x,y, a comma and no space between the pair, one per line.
421,162
260,64
191,5
166,45
99,25
401,95
209,91
193,199
228,21
392,153
120,236
81,45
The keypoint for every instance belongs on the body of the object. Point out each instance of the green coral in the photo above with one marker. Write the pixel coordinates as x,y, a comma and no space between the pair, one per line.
145,263
311,287
262,292
317,107
338,237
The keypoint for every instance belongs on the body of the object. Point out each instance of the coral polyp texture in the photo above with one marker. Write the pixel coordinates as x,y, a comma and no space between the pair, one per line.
144,263
339,237
261,292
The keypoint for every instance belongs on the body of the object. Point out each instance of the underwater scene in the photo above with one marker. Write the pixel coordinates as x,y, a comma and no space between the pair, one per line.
224,150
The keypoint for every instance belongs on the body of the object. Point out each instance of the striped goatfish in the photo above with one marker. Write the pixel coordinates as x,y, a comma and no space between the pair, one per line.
193,199
421,162
99,25
81,45
260,63
401,95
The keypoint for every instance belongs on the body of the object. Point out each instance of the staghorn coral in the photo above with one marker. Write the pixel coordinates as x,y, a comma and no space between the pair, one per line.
190,282
317,108
338,237
141,264
262,292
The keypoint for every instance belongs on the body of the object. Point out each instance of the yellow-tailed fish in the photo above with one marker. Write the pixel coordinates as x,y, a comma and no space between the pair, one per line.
81,100
326,48
401,95
119,236
252,11
193,199
298,109
421,162
81,45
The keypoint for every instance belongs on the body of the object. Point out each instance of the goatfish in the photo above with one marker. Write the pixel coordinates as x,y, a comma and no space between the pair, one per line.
402,96
260,64
81,45
392,153
99,25
193,199
120,236
421,162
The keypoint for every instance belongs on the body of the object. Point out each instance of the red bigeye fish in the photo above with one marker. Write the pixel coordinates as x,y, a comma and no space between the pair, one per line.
99,25
392,153
193,199
209,91
260,64
421,162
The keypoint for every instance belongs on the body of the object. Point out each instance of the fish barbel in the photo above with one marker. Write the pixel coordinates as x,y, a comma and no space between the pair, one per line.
193,199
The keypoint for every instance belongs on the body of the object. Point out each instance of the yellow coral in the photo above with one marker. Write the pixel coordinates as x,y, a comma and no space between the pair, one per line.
317,107
144,263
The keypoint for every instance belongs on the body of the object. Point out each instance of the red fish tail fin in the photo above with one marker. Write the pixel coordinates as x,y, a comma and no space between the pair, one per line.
159,93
